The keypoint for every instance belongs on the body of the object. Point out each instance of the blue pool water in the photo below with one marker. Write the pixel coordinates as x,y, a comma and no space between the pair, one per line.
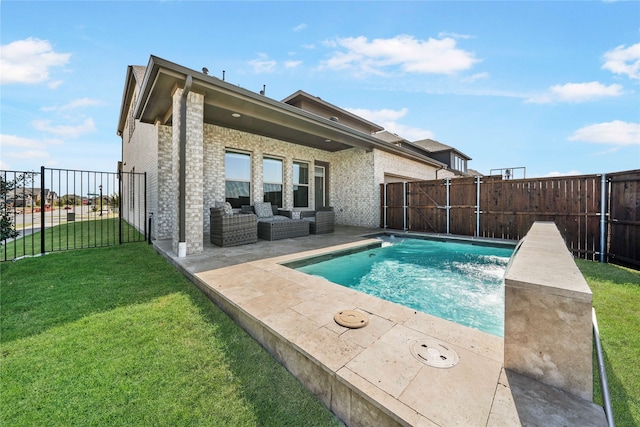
460,282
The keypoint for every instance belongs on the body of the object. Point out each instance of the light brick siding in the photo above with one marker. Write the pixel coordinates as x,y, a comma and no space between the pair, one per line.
354,174
166,211
218,140
139,154
193,171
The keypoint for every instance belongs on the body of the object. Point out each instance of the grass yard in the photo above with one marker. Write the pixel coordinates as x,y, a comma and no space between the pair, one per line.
116,336
74,235
616,299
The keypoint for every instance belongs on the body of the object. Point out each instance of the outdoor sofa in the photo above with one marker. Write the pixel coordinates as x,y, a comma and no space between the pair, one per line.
273,224
229,229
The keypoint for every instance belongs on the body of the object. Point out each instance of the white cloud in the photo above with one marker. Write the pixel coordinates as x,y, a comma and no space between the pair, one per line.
65,131
55,84
18,141
20,148
387,118
377,116
475,77
407,132
616,132
444,34
576,92
28,61
263,64
299,27
624,60
292,64
556,173
76,103
432,56
29,154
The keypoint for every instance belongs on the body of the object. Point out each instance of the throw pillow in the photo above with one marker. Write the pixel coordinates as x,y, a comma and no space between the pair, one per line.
263,210
227,209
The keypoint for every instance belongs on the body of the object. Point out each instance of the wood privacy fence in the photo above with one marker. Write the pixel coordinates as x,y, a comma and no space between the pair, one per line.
598,215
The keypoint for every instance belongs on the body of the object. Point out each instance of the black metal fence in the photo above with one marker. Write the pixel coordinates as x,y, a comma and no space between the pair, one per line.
61,209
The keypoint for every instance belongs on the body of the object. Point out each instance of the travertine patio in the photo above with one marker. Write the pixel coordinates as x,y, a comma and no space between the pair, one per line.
368,376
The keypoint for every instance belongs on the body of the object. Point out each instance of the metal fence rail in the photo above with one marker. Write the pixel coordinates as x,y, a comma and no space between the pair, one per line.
62,209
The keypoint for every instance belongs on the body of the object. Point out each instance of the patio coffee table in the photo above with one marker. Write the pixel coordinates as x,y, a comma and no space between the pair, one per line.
282,229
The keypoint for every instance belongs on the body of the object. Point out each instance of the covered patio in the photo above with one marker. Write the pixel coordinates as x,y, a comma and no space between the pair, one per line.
369,376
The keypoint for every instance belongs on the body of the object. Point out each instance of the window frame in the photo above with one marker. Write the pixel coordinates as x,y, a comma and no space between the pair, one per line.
295,184
279,203
226,179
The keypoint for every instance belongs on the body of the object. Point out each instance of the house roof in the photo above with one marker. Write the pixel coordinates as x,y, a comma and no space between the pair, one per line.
434,146
393,138
258,114
302,99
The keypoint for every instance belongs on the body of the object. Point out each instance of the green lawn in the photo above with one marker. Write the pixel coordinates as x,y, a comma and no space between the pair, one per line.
74,235
616,299
116,336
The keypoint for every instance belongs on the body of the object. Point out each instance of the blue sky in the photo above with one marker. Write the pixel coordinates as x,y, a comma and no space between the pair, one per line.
550,86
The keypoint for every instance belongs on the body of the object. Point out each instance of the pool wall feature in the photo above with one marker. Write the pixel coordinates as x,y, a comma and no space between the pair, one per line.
548,319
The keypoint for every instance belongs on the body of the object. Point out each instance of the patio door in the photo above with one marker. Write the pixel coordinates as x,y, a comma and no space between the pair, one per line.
320,186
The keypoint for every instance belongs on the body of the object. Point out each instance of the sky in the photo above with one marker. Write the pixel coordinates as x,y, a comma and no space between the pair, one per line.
549,87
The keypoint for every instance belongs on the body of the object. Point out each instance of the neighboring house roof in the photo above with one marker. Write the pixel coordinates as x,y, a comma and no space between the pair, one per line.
474,172
393,138
258,114
436,147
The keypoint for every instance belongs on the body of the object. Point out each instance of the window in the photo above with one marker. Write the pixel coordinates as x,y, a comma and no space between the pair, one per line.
320,193
459,163
237,170
272,181
300,185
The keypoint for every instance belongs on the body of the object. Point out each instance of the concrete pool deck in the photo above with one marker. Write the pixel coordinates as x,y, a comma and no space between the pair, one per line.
369,376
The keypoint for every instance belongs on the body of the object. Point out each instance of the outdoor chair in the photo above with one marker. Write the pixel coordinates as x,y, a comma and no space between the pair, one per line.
229,229
320,221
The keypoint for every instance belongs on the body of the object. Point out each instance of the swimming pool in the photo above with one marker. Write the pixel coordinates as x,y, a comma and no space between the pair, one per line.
454,280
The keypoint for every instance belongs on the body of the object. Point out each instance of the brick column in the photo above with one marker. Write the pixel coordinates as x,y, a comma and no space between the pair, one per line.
166,217
194,169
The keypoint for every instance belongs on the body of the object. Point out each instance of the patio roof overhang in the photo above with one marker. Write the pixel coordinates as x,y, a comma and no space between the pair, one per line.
260,115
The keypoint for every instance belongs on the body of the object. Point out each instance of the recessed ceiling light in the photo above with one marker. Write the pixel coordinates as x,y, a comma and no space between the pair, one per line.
327,140
236,115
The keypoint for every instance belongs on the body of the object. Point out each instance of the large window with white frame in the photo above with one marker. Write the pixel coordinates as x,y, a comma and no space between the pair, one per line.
300,185
237,172
272,180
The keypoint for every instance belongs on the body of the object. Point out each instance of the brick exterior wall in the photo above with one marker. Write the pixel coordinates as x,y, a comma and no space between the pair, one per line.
166,210
194,177
139,154
354,175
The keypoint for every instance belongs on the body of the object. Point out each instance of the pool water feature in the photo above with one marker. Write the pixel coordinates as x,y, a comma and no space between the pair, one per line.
453,280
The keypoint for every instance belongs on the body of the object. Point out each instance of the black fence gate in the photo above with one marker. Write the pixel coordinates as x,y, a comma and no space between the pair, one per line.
61,209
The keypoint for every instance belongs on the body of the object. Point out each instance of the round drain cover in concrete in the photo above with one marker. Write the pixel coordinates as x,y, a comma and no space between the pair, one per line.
434,353
351,319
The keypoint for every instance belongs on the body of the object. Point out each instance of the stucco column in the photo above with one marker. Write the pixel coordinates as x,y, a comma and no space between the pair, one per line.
194,170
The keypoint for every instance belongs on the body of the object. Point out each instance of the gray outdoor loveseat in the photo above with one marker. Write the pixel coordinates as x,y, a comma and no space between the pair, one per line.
273,224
